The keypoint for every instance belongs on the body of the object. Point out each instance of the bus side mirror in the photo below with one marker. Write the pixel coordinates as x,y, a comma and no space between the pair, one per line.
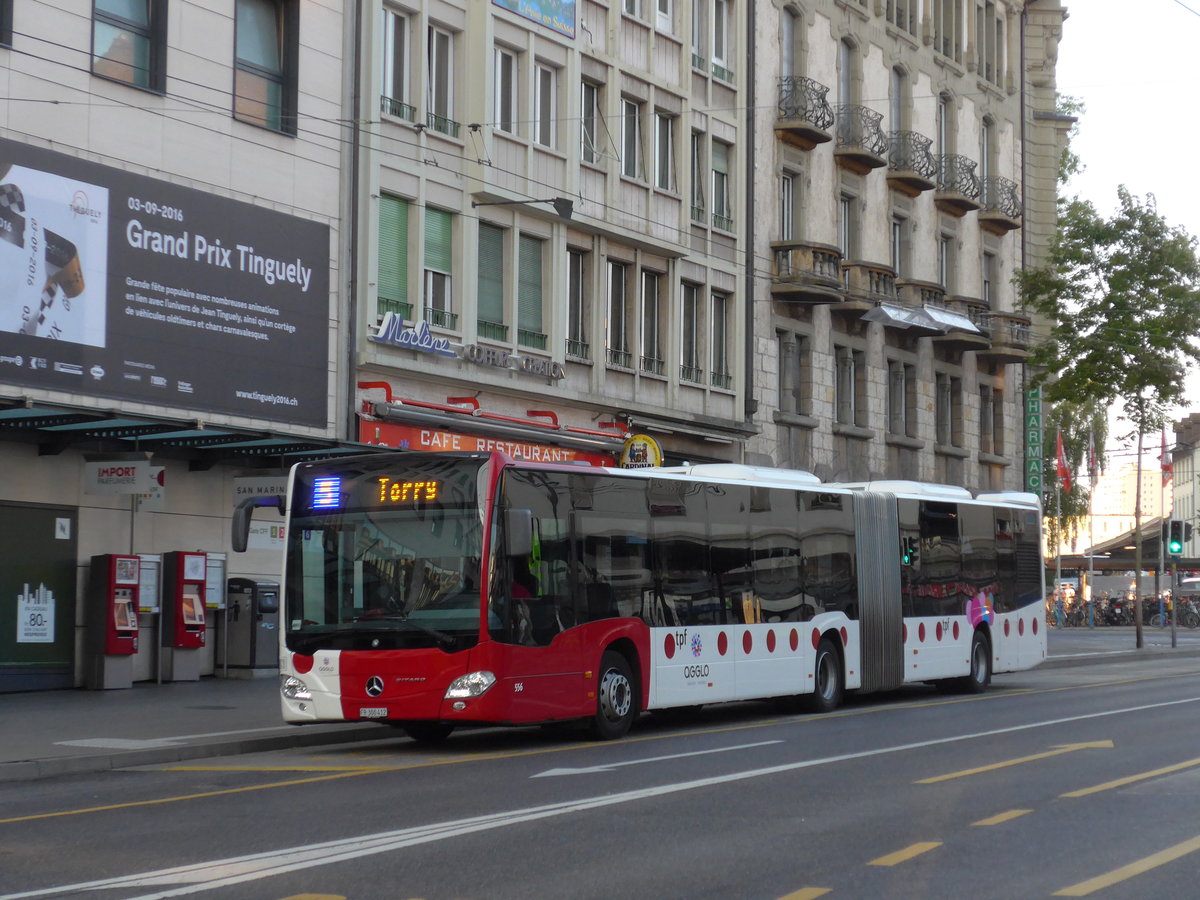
518,532
245,512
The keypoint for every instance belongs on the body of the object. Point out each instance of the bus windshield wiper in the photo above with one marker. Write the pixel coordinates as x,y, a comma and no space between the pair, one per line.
441,637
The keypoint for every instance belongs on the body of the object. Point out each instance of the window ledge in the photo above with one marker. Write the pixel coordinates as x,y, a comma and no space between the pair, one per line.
903,440
799,420
992,459
948,450
856,432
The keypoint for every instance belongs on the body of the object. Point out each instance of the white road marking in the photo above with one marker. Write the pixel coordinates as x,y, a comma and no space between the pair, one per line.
200,877
637,762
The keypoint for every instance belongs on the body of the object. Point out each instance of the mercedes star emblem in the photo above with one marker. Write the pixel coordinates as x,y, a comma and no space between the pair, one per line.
374,686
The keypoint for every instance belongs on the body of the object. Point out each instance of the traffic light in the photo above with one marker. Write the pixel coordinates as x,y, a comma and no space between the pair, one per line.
1175,538
908,553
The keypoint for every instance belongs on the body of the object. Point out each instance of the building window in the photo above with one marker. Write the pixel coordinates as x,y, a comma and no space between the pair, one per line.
129,40
847,82
947,28
722,40
722,202
790,28
264,81
902,398
6,29
947,263
617,324
718,339
989,277
899,246
632,7
529,293
944,125
787,207
439,99
589,150
698,179
850,387
652,355
795,383
577,305
664,151
989,41
699,34
847,226
662,15
689,334
899,101
393,258
504,111
986,419
631,138
394,91
490,287
948,406
903,14
439,263
987,151
544,99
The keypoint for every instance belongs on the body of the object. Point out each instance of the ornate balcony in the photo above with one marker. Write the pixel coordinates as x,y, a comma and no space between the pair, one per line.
805,116
958,186
1011,336
806,273
861,144
868,285
911,167
1000,205
960,331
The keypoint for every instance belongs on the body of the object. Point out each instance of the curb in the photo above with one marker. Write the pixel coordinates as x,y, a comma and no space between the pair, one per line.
1143,655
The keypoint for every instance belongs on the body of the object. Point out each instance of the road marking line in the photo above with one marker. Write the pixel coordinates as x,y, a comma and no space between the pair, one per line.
1132,779
1003,817
637,762
1138,867
1057,751
894,859
810,893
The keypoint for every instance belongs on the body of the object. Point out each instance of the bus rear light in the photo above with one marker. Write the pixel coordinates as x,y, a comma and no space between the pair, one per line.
294,689
473,684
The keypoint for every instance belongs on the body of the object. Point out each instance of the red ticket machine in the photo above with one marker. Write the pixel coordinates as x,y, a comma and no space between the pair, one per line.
183,620
112,617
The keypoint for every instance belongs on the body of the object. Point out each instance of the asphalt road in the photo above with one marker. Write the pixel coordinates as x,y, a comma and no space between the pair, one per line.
1079,781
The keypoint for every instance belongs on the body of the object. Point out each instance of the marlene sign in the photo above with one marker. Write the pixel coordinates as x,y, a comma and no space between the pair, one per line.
118,477
415,437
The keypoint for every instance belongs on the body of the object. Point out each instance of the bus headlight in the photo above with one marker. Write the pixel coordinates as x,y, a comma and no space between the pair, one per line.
473,684
295,689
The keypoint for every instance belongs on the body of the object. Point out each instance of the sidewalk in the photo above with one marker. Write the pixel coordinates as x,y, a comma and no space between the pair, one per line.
44,733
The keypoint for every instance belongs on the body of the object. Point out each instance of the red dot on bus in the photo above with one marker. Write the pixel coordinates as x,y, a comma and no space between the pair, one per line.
794,640
669,646
722,643
302,664
747,642
956,631
921,632
1034,625
1007,627
770,641
938,631
1020,626
816,638
845,636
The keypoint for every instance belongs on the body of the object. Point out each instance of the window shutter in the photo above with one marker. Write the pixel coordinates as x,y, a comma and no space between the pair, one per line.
491,274
529,288
393,251
437,240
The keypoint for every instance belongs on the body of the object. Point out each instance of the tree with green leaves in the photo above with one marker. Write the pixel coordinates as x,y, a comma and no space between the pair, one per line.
1123,298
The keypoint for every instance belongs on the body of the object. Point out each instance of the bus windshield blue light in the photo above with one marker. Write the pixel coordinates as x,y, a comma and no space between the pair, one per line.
327,493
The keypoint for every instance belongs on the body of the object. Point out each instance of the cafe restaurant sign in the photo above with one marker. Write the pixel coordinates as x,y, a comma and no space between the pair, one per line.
417,437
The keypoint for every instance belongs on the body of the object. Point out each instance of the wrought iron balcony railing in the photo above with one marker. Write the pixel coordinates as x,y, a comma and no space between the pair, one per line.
956,175
909,151
803,98
619,358
999,195
441,318
392,107
691,374
442,124
860,128
534,340
579,349
495,331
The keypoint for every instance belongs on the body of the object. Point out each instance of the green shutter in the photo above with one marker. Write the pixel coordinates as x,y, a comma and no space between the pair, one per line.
529,290
393,256
438,255
491,274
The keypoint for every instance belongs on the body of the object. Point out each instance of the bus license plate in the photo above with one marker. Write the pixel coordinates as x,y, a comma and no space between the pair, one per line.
373,712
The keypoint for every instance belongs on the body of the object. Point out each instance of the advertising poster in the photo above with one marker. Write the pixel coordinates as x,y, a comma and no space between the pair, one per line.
558,15
117,285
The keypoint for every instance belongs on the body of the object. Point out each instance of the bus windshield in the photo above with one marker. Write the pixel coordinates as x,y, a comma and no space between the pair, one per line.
387,556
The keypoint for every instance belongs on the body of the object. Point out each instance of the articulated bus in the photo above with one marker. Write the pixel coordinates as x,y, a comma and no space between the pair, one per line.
431,590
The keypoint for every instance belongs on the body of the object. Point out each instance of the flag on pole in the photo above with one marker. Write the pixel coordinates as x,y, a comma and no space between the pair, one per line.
1168,467
1061,467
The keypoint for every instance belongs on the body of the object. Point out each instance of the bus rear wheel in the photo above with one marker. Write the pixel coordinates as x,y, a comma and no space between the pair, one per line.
980,676
827,678
616,699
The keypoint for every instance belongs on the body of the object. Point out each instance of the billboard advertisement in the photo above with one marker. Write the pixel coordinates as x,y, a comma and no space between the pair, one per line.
117,285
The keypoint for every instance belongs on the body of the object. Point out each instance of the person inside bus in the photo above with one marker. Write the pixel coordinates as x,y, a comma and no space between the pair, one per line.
523,592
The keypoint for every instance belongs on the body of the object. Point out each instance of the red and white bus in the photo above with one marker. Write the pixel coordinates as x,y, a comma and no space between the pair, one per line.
429,590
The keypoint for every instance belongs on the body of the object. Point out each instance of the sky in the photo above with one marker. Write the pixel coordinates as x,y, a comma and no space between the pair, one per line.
1135,65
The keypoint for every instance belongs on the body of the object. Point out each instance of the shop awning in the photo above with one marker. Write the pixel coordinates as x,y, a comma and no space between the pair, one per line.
893,316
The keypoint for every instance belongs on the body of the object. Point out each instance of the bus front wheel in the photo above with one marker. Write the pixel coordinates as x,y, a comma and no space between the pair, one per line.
428,732
827,678
616,700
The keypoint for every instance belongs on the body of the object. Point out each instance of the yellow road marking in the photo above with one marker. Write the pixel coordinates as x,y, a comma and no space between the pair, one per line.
315,897
1003,817
894,859
1153,861
806,894
1131,779
1058,751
